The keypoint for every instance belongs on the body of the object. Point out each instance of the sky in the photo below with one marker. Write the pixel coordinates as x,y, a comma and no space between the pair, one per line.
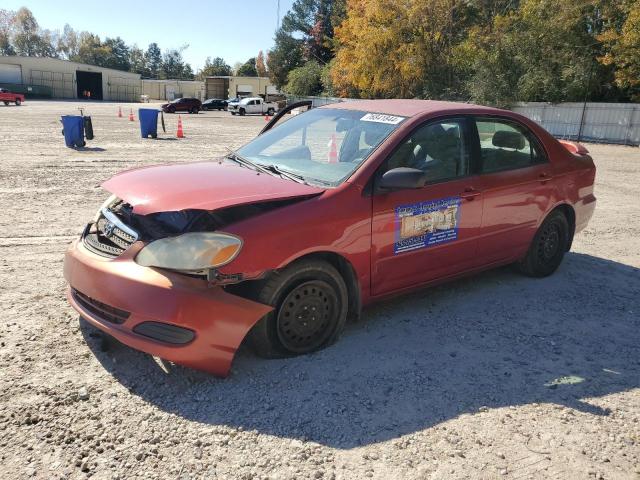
232,29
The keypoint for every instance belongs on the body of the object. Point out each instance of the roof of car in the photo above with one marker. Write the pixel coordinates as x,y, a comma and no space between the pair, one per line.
409,107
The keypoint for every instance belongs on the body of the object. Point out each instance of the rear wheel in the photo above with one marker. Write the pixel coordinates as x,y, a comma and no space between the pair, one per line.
18,102
270,112
310,302
548,247
6,103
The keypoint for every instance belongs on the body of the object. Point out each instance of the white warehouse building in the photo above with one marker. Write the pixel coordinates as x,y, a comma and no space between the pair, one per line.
55,78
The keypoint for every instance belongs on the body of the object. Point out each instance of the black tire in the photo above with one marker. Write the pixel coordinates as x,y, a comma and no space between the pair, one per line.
233,113
18,102
6,103
171,110
242,112
270,112
548,247
311,302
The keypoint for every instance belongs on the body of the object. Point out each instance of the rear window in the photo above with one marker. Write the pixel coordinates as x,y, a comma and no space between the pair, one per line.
506,146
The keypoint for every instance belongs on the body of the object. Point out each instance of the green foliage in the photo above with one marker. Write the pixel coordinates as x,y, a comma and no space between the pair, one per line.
621,47
153,57
214,68
118,56
307,33
248,69
305,80
284,57
173,65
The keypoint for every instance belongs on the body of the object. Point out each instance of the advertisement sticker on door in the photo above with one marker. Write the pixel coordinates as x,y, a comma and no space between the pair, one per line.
424,224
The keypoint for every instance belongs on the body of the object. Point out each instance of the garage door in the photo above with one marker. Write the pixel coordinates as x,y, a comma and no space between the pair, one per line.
10,73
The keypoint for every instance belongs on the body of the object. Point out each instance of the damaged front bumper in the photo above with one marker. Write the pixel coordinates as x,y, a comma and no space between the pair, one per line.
175,317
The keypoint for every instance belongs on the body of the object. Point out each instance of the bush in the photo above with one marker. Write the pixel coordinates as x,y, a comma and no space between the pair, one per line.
305,80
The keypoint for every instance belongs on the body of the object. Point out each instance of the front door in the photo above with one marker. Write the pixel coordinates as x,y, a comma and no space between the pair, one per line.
419,235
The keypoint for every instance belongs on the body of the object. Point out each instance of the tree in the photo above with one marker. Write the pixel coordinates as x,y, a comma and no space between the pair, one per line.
137,61
307,33
214,68
248,69
6,21
28,39
622,50
173,65
284,57
118,54
91,50
153,58
397,49
261,68
68,43
305,80
538,52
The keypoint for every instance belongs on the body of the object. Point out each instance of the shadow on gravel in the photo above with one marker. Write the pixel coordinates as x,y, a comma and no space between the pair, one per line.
497,339
90,149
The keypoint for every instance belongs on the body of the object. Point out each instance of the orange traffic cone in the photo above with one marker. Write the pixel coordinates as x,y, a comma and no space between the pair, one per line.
267,118
119,112
180,133
131,119
333,150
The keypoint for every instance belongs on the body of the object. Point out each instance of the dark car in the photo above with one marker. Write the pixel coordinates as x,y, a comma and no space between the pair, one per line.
191,105
214,104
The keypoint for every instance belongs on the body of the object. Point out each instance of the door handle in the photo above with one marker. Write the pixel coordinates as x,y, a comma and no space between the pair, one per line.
469,194
544,177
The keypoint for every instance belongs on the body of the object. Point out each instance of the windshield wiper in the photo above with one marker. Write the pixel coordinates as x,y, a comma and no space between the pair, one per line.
233,155
285,173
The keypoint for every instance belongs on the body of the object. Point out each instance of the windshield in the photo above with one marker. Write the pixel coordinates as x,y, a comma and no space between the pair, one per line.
323,145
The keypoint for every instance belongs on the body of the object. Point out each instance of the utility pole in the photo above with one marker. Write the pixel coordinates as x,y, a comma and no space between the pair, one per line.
278,15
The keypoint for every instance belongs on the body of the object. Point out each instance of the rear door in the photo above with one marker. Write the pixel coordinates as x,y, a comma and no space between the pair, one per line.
419,235
517,183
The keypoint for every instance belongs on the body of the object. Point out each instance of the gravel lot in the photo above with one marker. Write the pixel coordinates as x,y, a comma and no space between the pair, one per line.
495,376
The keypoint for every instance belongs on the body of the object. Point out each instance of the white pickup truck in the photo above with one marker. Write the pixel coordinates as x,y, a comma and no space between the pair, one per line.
253,105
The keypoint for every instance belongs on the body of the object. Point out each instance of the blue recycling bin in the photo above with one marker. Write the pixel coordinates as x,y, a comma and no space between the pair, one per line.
148,122
73,130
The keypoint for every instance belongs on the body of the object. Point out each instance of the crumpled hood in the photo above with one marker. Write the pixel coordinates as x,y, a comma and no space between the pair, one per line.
202,185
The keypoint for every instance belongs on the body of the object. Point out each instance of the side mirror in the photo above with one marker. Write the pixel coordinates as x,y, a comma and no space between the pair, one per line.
402,178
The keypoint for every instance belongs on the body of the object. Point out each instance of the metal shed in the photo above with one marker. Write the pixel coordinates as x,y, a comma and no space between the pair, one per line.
55,78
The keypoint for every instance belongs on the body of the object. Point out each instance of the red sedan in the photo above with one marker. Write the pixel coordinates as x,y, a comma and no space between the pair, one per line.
283,240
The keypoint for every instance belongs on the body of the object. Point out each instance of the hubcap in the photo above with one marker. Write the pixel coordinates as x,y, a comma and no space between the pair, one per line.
549,242
305,317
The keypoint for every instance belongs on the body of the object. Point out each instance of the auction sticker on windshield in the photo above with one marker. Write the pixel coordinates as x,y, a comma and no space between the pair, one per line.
424,224
382,118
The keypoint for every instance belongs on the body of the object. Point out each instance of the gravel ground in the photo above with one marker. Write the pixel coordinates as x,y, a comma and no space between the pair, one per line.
495,376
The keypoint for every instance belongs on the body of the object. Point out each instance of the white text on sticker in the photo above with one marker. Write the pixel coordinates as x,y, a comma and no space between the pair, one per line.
382,118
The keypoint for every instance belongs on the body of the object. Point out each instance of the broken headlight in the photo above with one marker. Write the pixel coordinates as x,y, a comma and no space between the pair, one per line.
191,252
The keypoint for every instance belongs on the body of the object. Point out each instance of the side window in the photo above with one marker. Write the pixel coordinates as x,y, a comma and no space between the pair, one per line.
439,149
505,146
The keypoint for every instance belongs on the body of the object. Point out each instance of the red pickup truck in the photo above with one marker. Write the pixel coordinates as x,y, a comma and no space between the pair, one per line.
7,97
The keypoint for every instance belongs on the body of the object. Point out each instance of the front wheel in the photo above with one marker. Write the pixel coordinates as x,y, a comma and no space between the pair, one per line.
310,303
242,112
18,102
549,245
